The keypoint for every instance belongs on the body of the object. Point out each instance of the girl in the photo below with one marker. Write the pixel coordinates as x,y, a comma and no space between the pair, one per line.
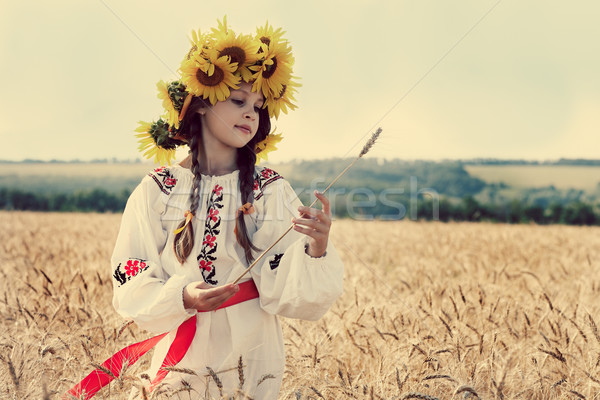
190,229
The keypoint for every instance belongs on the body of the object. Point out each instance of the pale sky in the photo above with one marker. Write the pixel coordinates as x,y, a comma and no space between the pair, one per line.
443,83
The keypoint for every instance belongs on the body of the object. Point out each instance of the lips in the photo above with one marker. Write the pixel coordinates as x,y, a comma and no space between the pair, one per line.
244,128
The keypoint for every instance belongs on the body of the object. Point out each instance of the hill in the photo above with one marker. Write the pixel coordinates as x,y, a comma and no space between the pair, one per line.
385,189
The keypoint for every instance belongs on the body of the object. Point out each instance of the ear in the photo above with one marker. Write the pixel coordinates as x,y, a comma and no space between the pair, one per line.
201,108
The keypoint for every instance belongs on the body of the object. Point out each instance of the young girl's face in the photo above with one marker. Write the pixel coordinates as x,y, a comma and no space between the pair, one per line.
233,122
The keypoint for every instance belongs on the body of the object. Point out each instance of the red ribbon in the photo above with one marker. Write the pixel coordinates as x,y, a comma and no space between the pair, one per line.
97,379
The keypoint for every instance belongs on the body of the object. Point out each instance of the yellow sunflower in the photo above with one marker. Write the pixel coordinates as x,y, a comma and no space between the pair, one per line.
171,114
284,100
197,41
150,148
200,40
241,49
276,69
221,30
209,77
266,34
264,147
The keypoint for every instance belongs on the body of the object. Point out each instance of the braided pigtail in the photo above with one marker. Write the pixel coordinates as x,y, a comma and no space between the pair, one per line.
184,235
246,160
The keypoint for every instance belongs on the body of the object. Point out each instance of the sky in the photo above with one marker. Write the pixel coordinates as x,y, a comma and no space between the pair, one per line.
444,80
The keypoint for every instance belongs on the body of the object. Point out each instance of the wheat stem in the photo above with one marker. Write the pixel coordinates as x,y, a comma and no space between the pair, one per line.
364,151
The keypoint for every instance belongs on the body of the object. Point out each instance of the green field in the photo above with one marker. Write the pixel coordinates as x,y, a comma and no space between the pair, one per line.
531,176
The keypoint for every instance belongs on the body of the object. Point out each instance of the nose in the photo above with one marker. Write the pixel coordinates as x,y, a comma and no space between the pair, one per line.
251,114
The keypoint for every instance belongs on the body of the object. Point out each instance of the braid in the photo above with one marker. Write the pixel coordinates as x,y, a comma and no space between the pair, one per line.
184,240
246,160
195,196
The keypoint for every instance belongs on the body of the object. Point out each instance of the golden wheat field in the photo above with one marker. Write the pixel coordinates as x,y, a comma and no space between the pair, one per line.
430,310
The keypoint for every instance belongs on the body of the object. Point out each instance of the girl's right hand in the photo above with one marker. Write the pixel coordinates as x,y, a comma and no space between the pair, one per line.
204,297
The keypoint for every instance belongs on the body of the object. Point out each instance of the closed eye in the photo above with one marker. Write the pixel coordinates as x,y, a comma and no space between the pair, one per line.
241,103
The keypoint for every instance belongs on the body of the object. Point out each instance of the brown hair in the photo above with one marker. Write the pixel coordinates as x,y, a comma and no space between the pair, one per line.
246,160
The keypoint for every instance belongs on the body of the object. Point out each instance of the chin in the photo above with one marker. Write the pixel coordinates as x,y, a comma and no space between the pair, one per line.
241,145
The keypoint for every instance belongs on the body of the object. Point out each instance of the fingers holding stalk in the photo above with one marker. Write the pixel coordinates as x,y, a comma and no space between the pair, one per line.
315,224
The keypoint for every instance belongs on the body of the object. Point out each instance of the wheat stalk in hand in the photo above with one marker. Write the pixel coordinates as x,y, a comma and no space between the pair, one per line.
364,151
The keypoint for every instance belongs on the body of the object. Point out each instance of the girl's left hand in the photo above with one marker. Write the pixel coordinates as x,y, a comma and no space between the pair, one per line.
315,224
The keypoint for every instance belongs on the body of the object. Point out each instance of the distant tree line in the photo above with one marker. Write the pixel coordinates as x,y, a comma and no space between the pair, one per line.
515,211
98,200
389,206
361,205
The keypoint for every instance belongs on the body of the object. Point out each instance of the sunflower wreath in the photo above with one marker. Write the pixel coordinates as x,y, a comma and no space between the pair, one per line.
217,62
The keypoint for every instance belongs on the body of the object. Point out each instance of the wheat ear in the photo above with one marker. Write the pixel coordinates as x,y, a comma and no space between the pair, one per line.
364,151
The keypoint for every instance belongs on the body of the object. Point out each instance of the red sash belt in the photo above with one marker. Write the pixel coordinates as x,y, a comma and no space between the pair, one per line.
98,378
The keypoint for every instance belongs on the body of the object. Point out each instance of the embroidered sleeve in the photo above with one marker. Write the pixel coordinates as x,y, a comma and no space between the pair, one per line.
127,270
165,180
142,289
291,283
264,177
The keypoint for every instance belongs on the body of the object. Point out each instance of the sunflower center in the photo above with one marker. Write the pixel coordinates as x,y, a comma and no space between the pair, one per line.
265,40
236,54
270,69
213,80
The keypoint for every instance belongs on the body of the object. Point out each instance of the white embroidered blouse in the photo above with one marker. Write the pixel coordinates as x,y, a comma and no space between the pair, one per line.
149,281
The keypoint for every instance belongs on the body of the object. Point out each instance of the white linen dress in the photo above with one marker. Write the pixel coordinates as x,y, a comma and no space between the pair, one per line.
149,281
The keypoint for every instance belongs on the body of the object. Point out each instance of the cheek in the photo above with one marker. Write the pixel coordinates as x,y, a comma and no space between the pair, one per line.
220,121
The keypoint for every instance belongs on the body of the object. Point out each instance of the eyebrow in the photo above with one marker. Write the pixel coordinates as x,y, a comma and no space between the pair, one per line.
261,99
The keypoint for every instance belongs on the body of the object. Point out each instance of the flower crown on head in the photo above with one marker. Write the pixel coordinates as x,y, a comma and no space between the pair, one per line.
217,62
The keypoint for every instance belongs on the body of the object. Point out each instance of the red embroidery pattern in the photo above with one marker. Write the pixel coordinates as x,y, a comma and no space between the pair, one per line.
205,265
213,214
164,179
263,178
206,258
218,189
209,240
132,268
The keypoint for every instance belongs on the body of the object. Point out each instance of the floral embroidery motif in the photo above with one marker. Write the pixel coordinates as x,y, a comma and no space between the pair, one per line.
133,267
212,214
262,179
205,265
210,240
274,263
164,179
206,258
